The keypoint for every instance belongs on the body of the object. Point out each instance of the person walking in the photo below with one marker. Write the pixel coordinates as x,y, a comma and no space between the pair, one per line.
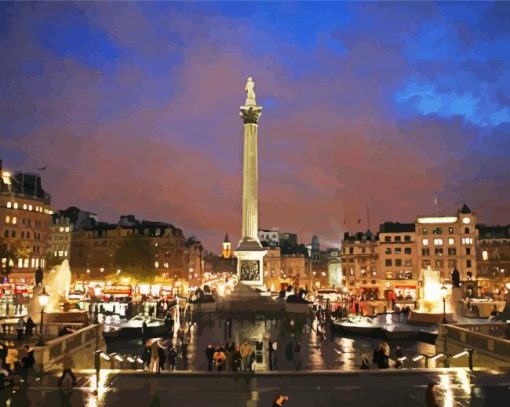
219,359
270,349
246,351
236,359
365,364
398,357
154,365
297,356
430,398
20,328
162,358
27,363
209,353
172,358
68,365
289,352
280,400
275,355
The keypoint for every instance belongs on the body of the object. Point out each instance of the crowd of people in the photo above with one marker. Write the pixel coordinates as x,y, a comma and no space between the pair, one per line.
11,366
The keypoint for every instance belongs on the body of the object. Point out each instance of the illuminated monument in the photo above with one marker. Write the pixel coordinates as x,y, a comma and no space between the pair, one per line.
250,252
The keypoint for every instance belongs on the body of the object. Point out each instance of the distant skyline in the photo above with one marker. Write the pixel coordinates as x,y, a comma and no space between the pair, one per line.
133,108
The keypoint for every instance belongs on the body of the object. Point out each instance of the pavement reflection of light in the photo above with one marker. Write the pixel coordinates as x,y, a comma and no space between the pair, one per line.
445,384
345,355
96,400
465,380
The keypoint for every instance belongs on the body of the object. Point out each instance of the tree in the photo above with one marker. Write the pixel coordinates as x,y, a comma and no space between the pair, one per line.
135,255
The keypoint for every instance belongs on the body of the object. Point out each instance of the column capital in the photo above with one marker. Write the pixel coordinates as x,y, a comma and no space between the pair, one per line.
251,114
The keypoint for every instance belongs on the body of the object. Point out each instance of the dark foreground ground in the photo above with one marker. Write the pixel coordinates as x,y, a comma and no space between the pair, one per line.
457,387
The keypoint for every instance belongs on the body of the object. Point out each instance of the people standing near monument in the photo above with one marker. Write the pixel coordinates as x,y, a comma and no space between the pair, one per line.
29,331
20,328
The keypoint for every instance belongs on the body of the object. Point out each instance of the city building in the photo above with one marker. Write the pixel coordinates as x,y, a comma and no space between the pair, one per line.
445,243
273,237
25,216
59,239
398,262
493,259
94,249
360,261
64,222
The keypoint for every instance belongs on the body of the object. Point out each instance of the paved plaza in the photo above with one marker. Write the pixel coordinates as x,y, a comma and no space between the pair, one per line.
406,388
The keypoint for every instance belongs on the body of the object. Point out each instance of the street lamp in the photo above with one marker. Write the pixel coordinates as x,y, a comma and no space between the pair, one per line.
43,301
444,291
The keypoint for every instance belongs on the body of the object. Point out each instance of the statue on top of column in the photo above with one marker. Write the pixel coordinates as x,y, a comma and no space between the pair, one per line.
250,92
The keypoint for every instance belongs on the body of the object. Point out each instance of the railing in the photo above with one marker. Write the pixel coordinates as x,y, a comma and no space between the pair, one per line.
477,337
54,349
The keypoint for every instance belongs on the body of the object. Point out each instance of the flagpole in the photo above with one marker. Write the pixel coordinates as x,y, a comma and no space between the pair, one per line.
368,218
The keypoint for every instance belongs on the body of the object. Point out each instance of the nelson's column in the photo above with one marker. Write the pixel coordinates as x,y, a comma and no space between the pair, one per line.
249,252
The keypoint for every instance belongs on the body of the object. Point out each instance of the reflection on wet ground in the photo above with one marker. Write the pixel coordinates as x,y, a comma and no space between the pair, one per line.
332,353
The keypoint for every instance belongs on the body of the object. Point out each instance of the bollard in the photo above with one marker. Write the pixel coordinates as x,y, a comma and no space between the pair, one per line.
470,358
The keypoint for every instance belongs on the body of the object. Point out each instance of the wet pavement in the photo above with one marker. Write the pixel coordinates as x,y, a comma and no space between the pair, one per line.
406,388
332,353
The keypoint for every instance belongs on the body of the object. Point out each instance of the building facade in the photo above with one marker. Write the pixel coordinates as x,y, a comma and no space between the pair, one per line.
59,239
398,261
360,263
493,259
445,243
93,250
25,216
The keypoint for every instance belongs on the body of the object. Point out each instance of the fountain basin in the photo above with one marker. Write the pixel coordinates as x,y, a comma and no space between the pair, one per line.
429,318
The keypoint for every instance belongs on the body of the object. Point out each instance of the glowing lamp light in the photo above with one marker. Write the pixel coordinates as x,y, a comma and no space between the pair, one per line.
508,285
444,291
97,291
43,298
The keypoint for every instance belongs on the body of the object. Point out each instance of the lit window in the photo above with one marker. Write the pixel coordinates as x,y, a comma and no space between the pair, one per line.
7,219
29,207
65,253
20,263
438,242
156,263
9,204
15,205
32,263
485,255
67,229
25,263
425,242
25,206
43,262
451,241
36,262
61,229
55,253
466,220
467,240
14,220
60,253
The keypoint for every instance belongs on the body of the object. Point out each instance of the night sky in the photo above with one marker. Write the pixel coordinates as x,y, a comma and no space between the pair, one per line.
134,108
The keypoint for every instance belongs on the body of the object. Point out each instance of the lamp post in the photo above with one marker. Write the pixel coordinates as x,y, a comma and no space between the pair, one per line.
444,291
43,301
